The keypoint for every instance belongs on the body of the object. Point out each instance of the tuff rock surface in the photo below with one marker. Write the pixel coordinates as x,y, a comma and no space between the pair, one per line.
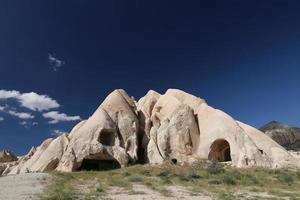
175,126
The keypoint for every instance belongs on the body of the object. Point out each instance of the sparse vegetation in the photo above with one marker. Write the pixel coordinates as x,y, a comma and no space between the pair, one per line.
285,178
298,174
222,182
215,168
229,180
135,178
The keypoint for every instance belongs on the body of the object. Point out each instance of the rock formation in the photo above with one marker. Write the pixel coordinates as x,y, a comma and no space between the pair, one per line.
7,159
7,156
285,135
176,127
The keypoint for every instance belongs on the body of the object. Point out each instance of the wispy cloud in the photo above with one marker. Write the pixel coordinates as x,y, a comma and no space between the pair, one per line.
58,132
31,100
24,123
1,119
21,115
27,124
56,117
13,112
55,62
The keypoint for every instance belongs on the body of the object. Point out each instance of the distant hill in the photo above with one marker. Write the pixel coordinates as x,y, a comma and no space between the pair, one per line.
286,135
7,156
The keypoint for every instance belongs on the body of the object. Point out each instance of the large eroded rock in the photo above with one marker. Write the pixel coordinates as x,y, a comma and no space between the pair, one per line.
123,112
145,107
97,140
176,127
175,133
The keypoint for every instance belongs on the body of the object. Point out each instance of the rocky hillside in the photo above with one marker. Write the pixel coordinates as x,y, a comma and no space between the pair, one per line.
286,135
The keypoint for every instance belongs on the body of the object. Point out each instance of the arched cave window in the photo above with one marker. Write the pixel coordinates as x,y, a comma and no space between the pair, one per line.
220,151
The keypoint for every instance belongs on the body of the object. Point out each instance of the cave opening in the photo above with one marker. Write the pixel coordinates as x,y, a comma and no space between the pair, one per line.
220,151
107,138
98,165
174,161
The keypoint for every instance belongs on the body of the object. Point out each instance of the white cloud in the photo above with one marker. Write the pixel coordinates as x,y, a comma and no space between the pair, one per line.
55,62
30,100
58,132
21,115
6,94
1,119
56,117
37,102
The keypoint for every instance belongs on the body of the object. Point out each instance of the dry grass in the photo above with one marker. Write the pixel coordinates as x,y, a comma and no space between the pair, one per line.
222,182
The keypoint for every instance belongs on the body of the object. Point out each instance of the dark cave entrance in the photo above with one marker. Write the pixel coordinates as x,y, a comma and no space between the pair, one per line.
98,165
107,137
220,151
174,161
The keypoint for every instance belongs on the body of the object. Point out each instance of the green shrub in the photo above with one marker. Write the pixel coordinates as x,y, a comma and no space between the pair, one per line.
146,172
135,178
118,182
164,173
165,176
214,182
251,179
190,176
236,174
59,194
285,178
193,175
229,180
183,177
126,173
166,180
277,171
215,168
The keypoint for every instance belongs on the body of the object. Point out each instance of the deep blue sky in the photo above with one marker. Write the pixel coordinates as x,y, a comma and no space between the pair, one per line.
243,57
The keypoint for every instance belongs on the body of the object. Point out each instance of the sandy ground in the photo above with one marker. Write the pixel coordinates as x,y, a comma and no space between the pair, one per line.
138,191
143,193
24,186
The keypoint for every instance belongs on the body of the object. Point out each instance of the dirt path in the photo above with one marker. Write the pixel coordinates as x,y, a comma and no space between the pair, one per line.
24,186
